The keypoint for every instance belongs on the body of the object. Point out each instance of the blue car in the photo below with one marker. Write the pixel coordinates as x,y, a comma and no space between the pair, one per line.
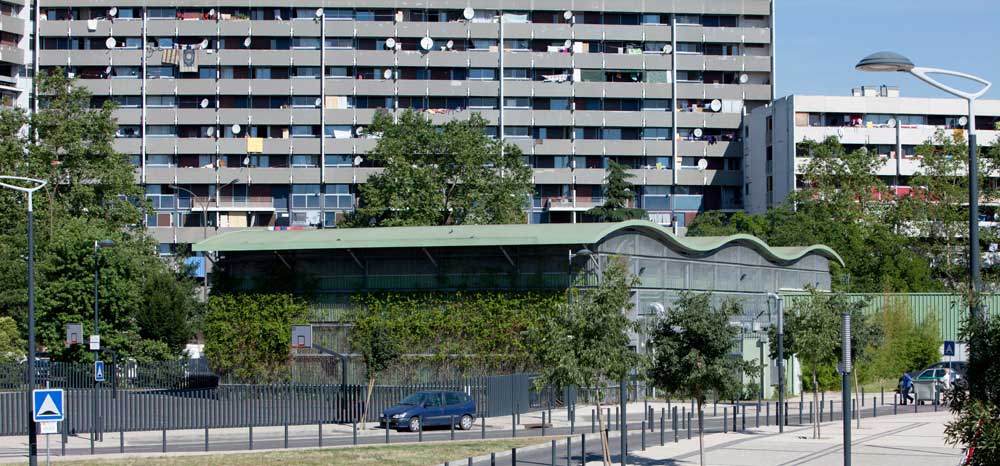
432,408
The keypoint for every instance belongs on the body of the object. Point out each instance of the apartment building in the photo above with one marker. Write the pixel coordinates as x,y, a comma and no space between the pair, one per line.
251,114
15,43
877,118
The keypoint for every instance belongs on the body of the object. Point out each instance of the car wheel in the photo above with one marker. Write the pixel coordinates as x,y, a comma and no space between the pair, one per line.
466,422
414,424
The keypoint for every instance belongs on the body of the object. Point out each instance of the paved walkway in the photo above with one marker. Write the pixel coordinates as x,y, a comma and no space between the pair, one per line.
912,440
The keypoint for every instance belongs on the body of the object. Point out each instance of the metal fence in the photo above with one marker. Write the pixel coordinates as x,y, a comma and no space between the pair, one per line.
186,395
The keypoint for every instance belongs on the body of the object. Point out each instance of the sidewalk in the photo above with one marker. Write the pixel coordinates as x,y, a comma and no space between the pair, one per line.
913,440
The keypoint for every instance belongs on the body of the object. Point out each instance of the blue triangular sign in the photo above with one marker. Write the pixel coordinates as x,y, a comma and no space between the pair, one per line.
99,371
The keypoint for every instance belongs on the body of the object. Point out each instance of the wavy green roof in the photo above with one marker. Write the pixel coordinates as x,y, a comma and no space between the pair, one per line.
487,235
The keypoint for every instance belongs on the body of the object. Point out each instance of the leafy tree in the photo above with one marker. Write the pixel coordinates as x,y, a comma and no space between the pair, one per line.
907,344
587,344
691,352
91,195
167,310
11,343
440,175
719,223
618,194
247,335
975,400
377,341
846,182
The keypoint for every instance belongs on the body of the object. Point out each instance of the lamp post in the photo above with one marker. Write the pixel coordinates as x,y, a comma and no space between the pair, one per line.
98,246
845,383
779,412
890,61
32,428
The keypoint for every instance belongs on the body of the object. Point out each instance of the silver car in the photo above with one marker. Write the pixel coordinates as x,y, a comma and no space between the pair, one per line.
930,383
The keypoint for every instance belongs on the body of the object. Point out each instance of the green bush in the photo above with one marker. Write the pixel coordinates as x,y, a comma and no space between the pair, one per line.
907,346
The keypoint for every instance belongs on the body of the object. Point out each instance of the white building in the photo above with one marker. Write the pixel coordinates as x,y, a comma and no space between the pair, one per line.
890,127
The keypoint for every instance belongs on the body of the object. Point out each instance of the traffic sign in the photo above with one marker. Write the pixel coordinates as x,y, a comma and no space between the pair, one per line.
99,371
47,405
949,348
95,342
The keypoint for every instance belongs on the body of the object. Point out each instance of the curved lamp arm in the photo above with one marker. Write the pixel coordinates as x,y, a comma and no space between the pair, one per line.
924,75
38,184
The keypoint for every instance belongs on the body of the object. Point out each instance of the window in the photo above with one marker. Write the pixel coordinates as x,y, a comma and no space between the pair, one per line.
338,196
483,44
517,102
433,400
483,102
656,105
305,72
127,131
160,72
162,13
689,47
125,72
339,43
161,131
515,74
338,72
482,74
517,44
338,160
305,43
451,399
516,131
690,20
338,14
656,133
655,19
304,101
158,101
689,76
159,160
305,160
305,196
134,101
303,131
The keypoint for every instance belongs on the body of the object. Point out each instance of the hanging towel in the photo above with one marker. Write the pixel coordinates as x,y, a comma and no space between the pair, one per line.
91,25
170,56
189,61
255,145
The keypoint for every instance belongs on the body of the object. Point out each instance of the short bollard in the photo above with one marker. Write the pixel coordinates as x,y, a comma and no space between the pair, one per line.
286,436
387,434
674,419
164,449
756,416
784,416
810,412
251,437
735,409
482,427
743,423
513,425
206,442
689,425
883,396
569,451
715,409
663,424
593,421
874,408
354,431
543,423
493,459
552,461
894,407
915,406
470,462
420,431
583,449
767,413
513,456
684,416
453,427
572,423
800,413
725,420
617,417
831,410
642,441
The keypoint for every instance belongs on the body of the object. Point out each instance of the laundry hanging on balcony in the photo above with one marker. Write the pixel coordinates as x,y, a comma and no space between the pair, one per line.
171,56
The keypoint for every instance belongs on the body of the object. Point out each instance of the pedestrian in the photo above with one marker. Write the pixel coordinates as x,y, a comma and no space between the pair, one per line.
905,385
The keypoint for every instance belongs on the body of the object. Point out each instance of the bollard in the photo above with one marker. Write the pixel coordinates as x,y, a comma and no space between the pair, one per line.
206,441
767,413
452,427
482,428
251,437
735,409
675,424
513,456
569,450
642,441
874,408
684,416
663,424
915,405
715,409
572,423
593,422
756,416
387,433
883,395
493,459
862,397
831,410
583,449
513,425
286,435
164,449
617,417
689,425
800,412
420,431
552,461
894,406
543,423
354,431
725,420
810,412
743,425
784,414
470,461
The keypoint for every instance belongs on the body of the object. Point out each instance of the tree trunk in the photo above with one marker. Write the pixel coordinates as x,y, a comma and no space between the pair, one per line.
701,434
368,399
605,451
816,419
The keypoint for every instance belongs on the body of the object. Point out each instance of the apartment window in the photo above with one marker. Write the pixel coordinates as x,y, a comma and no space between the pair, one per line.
483,44
304,131
517,44
304,101
159,160
655,19
689,47
483,102
688,76
309,43
131,43
305,160
134,101
728,21
305,72
689,20
125,71
482,74
516,74
656,133
162,13
517,102
338,160
338,72
161,131
338,14
127,131
305,196
339,43
160,72
656,105
164,42
338,196
338,131
516,131
157,101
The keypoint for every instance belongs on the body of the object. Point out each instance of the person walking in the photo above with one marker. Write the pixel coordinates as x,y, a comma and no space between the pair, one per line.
905,385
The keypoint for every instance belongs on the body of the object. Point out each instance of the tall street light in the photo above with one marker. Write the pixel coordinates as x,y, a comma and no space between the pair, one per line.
36,185
98,246
890,61
780,411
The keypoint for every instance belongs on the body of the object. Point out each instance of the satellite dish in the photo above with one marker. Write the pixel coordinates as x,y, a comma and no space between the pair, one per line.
246,42
319,12
211,13
449,44
891,123
110,42
390,43
113,11
567,15
204,43
568,43
656,308
203,103
744,78
210,131
702,164
236,128
399,46
318,102
468,13
426,43
716,105
698,132
668,48
358,160
107,69
387,74
358,131
963,121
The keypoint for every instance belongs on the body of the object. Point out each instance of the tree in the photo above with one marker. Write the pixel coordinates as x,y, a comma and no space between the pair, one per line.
377,340
246,335
907,344
441,175
11,343
91,195
587,344
618,194
975,400
691,352
167,310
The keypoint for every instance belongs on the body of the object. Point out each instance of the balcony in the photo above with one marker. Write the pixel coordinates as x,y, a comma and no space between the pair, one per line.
248,203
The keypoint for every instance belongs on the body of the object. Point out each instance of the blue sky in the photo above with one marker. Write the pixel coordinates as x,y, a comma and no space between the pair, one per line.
820,41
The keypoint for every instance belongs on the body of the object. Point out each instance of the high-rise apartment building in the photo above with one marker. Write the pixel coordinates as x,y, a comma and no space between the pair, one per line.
245,114
877,118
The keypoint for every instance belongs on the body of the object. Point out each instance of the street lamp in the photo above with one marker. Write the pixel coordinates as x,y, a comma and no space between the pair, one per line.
98,246
780,301
891,61
37,184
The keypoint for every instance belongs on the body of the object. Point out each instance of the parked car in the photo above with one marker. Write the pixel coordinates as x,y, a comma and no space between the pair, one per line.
431,408
958,368
931,382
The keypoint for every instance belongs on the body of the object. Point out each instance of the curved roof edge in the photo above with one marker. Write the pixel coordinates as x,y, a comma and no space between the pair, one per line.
707,244
488,235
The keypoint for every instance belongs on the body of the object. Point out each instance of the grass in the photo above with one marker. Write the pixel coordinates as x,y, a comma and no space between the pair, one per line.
377,455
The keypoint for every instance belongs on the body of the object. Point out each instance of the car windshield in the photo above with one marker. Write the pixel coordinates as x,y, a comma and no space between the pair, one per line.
413,400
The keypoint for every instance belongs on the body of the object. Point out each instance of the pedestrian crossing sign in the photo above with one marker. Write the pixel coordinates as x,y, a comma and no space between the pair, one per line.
47,405
99,371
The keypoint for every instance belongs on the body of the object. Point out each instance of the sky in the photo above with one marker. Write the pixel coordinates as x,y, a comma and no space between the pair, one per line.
820,41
